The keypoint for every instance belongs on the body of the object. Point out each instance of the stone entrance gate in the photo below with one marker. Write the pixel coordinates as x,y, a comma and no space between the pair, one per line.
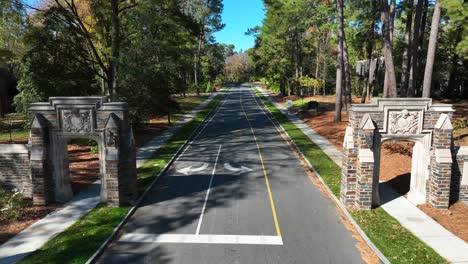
55,123
418,120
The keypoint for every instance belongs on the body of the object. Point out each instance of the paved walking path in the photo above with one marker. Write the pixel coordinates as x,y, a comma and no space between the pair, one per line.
53,224
48,227
424,227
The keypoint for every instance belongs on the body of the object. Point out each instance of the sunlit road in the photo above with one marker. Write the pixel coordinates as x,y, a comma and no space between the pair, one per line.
237,194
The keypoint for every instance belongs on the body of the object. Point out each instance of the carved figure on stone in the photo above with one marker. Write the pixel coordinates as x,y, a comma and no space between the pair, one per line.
112,138
404,122
76,121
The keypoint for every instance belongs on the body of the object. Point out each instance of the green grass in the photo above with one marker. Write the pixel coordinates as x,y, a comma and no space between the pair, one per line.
82,239
327,168
16,135
396,243
79,242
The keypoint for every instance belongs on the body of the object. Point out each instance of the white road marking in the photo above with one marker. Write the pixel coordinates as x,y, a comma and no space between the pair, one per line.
201,239
241,170
189,169
208,191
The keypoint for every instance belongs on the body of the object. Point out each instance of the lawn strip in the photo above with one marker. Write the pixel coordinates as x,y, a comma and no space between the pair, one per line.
79,242
396,243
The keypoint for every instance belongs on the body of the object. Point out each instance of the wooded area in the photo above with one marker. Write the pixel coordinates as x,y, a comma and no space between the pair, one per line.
136,51
423,45
143,51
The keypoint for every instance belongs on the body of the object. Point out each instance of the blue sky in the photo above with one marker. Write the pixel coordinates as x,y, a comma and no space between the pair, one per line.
240,15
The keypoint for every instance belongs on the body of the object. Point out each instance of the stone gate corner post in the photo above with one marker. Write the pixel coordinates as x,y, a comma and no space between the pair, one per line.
120,177
349,168
459,186
42,189
441,163
365,164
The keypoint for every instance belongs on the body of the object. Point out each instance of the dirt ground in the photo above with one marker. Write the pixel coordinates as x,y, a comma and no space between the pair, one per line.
395,167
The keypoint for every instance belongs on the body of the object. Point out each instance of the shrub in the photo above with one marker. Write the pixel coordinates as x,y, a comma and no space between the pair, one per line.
11,204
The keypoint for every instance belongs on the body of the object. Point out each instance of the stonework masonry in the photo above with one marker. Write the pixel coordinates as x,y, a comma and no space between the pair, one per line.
41,168
15,168
439,170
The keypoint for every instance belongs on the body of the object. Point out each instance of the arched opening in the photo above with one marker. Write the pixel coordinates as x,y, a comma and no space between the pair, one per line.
84,167
396,165
402,166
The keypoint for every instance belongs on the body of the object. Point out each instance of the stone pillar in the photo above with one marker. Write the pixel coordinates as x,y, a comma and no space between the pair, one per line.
349,168
120,179
441,163
365,164
459,186
42,190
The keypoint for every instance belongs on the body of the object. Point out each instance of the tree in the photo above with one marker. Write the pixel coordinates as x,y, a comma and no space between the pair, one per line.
406,60
207,14
415,49
12,29
387,50
431,50
339,64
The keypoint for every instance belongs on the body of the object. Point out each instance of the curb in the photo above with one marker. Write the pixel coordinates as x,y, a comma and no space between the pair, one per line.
132,210
329,191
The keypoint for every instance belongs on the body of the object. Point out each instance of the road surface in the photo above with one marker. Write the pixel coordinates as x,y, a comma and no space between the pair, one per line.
236,194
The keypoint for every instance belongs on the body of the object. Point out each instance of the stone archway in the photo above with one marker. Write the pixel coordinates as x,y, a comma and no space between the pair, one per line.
54,123
411,119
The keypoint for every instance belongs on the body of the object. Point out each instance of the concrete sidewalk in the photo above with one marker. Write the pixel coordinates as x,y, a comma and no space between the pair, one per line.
48,227
425,228
35,236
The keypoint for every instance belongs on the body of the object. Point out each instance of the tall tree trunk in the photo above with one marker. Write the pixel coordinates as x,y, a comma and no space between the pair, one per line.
431,51
324,76
387,50
412,82
197,61
317,64
339,64
347,74
370,48
115,49
391,26
406,51
345,68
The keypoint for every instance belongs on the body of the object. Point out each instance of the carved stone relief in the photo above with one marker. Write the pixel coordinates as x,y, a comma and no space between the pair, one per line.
403,122
76,121
112,138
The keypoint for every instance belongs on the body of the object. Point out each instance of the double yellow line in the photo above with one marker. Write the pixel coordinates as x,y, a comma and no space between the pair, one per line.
270,195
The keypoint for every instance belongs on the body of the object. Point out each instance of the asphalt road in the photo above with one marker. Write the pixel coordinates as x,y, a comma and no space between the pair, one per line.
237,194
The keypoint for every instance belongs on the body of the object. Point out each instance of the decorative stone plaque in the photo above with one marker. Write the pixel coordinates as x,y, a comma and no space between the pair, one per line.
403,122
76,121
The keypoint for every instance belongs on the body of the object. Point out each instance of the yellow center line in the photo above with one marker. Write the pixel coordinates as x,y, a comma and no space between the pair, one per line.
270,195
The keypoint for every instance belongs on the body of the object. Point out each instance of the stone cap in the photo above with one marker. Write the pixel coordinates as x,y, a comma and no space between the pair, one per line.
14,149
96,102
379,104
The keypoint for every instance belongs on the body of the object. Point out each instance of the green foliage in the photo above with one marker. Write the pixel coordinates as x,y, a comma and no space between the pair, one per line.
12,205
460,123
457,12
